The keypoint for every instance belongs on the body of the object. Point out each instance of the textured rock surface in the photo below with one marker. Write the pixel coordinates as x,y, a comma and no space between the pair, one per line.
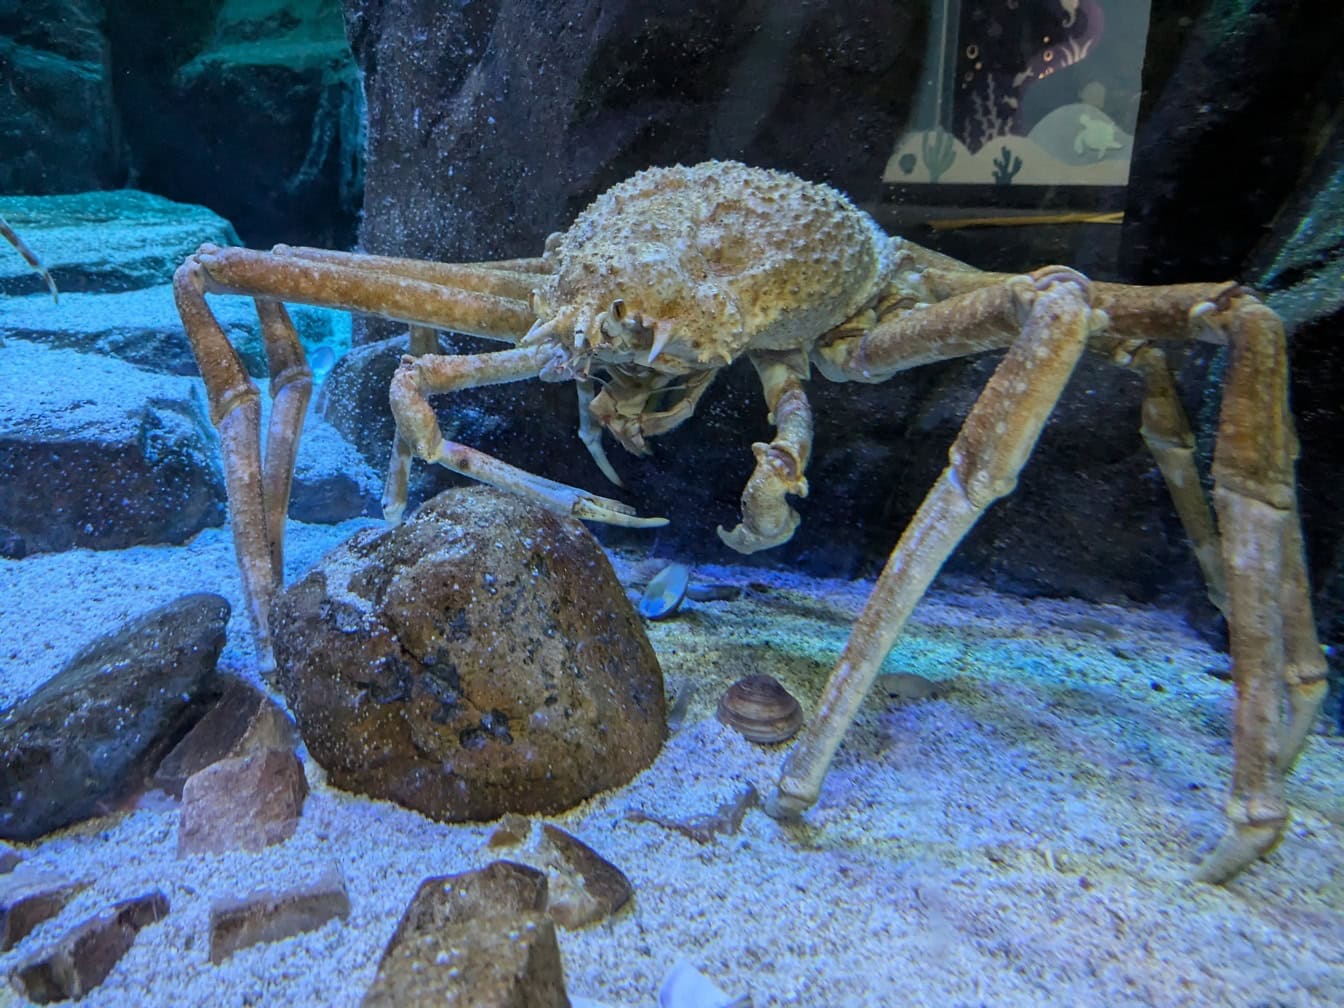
59,127
479,659
95,453
474,940
95,729
269,915
242,803
82,959
243,721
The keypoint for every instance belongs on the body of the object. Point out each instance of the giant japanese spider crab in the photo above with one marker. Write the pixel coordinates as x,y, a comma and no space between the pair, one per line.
677,272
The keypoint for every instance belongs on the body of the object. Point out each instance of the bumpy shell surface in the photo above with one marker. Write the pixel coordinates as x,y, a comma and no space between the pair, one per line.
725,256
761,709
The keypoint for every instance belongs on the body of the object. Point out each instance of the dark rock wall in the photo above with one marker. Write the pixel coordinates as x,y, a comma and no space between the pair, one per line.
249,107
59,128
493,124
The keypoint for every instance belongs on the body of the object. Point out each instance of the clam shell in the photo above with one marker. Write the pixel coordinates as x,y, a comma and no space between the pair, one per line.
664,592
761,709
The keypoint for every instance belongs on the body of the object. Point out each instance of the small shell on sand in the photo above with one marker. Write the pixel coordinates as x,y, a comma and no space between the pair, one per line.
664,593
761,709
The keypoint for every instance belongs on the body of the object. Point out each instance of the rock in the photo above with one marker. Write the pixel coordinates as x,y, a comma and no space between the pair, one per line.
89,736
113,255
60,129
479,659
105,242
27,898
82,959
272,915
474,940
583,886
550,101
241,722
9,858
243,803
281,67
98,454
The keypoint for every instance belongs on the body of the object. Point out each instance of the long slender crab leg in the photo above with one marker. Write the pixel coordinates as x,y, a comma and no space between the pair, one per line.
257,498
29,256
488,278
767,518
1166,432
995,441
291,387
336,285
1273,641
419,436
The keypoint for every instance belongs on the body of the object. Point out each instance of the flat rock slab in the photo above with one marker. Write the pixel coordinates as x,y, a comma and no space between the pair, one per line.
98,454
82,959
481,658
269,915
116,240
90,735
479,939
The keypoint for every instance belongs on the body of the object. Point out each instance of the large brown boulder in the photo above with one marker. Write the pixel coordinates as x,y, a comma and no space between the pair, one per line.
481,658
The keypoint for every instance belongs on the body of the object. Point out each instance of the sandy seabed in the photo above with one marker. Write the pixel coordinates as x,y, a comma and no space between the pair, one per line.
1023,839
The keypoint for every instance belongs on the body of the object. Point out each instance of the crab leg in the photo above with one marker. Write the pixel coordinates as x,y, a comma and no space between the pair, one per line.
291,386
258,498
341,285
767,518
995,441
488,278
418,435
1166,432
1273,640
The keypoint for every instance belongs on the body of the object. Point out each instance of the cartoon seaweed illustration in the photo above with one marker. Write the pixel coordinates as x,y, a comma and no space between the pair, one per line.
936,145
1006,165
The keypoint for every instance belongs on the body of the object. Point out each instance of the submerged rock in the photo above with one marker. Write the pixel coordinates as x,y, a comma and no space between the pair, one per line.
87,737
481,658
479,939
97,454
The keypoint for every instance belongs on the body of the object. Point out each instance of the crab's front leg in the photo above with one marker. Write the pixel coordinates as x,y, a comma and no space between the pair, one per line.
418,435
1051,309
767,518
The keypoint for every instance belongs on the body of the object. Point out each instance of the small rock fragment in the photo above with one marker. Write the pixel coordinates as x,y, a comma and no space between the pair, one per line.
511,830
81,960
244,720
29,896
247,803
9,858
908,686
713,592
479,939
584,886
269,915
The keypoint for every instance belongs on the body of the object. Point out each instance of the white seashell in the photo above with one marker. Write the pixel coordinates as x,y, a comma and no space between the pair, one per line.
686,987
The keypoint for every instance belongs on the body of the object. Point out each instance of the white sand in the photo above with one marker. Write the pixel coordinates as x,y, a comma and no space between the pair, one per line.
1023,840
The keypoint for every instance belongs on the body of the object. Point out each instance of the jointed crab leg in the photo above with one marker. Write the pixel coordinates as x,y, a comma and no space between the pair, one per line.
347,286
1269,619
510,279
258,502
419,436
995,441
767,518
